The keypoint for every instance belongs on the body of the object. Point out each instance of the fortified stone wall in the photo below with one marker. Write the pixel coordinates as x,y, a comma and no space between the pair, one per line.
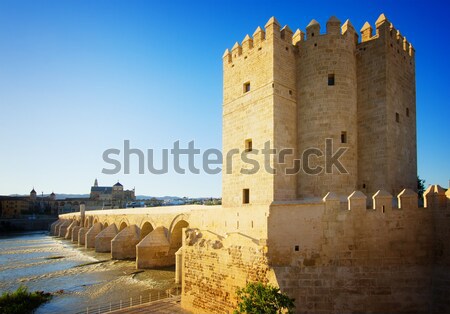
441,273
215,266
334,259
332,256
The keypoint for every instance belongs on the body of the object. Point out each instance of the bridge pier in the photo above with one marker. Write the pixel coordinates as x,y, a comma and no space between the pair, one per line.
68,234
153,250
62,228
53,227
75,231
123,246
82,236
91,234
103,239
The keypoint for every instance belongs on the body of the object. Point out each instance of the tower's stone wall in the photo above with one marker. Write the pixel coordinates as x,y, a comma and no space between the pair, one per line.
247,115
296,91
327,110
387,152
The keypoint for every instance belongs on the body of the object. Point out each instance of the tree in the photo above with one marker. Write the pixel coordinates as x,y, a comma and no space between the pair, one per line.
420,187
257,298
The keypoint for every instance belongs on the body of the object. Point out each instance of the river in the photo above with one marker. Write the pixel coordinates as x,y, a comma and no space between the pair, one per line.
70,272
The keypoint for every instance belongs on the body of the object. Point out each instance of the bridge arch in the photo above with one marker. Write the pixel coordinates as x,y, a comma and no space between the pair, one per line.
146,228
123,225
176,232
175,221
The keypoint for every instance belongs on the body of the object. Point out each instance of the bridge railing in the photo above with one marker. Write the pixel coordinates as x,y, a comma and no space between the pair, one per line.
145,297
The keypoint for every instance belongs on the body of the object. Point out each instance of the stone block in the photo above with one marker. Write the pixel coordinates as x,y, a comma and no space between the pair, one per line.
153,250
332,201
91,234
123,246
382,201
68,234
62,228
104,238
357,201
435,197
75,232
82,235
407,199
53,226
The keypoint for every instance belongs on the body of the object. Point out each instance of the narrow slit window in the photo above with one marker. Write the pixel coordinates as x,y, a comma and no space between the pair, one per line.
248,145
246,87
296,248
407,112
397,117
245,196
330,79
343,137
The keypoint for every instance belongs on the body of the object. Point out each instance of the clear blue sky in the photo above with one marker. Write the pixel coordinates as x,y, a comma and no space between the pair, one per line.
79,77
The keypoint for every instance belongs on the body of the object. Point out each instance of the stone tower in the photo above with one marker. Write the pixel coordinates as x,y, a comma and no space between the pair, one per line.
387,152
308,96
117,191
327,106
33,195
259,110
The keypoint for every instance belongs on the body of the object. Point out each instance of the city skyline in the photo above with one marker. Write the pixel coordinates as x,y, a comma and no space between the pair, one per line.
79,78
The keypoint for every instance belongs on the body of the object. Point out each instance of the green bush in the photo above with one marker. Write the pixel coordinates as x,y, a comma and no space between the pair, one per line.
21,301
257,298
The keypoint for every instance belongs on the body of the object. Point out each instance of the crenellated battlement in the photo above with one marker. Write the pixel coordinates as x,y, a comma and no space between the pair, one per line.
333,26
384,29
435,197
250,43
272,29
400,41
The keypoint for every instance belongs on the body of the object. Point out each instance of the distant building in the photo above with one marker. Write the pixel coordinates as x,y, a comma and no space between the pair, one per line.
12,206
16,206
101,197
114,195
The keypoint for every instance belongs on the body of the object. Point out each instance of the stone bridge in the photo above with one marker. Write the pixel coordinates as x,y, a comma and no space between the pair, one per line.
152,236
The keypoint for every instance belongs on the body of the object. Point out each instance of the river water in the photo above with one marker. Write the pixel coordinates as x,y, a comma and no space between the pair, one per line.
42,262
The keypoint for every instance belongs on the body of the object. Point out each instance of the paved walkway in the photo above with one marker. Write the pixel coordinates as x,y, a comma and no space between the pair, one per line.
167,306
